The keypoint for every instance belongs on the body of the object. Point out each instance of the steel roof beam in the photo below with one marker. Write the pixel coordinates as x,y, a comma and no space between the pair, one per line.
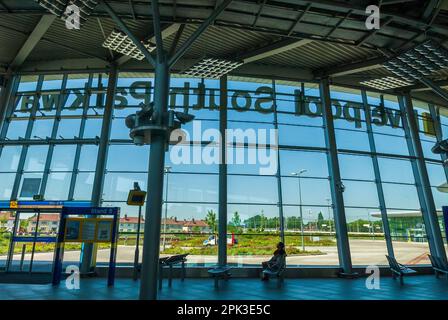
259,13
338,24
87,54
373,32
176,39
287,5
187,44
36,35
321,9
128,32
421,87
166,32
429,9
390,2
299,18
435,88
4,6
273,49
131,6
352,68
157,30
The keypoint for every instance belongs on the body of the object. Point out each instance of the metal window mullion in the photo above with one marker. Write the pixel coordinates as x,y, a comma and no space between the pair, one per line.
430,213
439,134
378,181
7,92
8,107
336,186
54,132
97,189
75,170
278,173
15,188
105,136
413,160
222,212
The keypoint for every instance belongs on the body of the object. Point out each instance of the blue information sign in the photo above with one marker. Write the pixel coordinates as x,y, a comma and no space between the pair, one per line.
88,212
43,204
33,239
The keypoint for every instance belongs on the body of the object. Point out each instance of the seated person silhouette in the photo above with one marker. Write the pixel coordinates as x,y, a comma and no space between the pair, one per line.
277,261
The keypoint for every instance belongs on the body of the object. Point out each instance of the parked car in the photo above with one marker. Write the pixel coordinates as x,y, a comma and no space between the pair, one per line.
212,240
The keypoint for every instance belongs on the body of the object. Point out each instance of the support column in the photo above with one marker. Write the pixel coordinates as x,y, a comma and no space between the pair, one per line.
335,181
376,169
430,215
279,172
100,169
222,212
151,240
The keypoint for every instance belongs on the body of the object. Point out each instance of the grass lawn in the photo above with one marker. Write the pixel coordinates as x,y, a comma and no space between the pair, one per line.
248,244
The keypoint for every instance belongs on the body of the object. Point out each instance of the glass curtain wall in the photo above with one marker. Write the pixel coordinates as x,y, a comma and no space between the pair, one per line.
50,143
50,135
430,127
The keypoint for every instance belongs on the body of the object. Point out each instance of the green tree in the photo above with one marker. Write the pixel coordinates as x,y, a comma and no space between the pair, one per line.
236,220
210,219
3,221
24,224
320,220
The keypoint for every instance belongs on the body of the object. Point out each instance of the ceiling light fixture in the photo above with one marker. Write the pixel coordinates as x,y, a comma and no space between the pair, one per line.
118,41
58,7
212,68
419,62
386,83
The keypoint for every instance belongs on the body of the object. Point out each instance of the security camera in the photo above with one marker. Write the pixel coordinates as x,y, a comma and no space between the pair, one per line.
147,110
130,121
440,147
184,117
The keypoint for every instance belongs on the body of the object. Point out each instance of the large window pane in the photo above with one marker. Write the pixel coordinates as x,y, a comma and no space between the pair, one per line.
314,191
128,158
401,196
35,158
63,158
58,186
9,159
246,189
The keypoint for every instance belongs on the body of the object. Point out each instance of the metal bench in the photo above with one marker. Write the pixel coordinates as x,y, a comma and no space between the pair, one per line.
438,265
170,262
219,273
398,269
278,274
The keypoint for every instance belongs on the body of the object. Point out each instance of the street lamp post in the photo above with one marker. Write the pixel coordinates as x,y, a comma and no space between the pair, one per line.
310,215
371,224
298,174
329,213
167,170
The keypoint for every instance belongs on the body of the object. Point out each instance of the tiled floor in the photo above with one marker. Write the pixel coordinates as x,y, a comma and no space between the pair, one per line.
418,287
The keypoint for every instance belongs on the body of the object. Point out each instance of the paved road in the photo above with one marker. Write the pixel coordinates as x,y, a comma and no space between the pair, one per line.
364,252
